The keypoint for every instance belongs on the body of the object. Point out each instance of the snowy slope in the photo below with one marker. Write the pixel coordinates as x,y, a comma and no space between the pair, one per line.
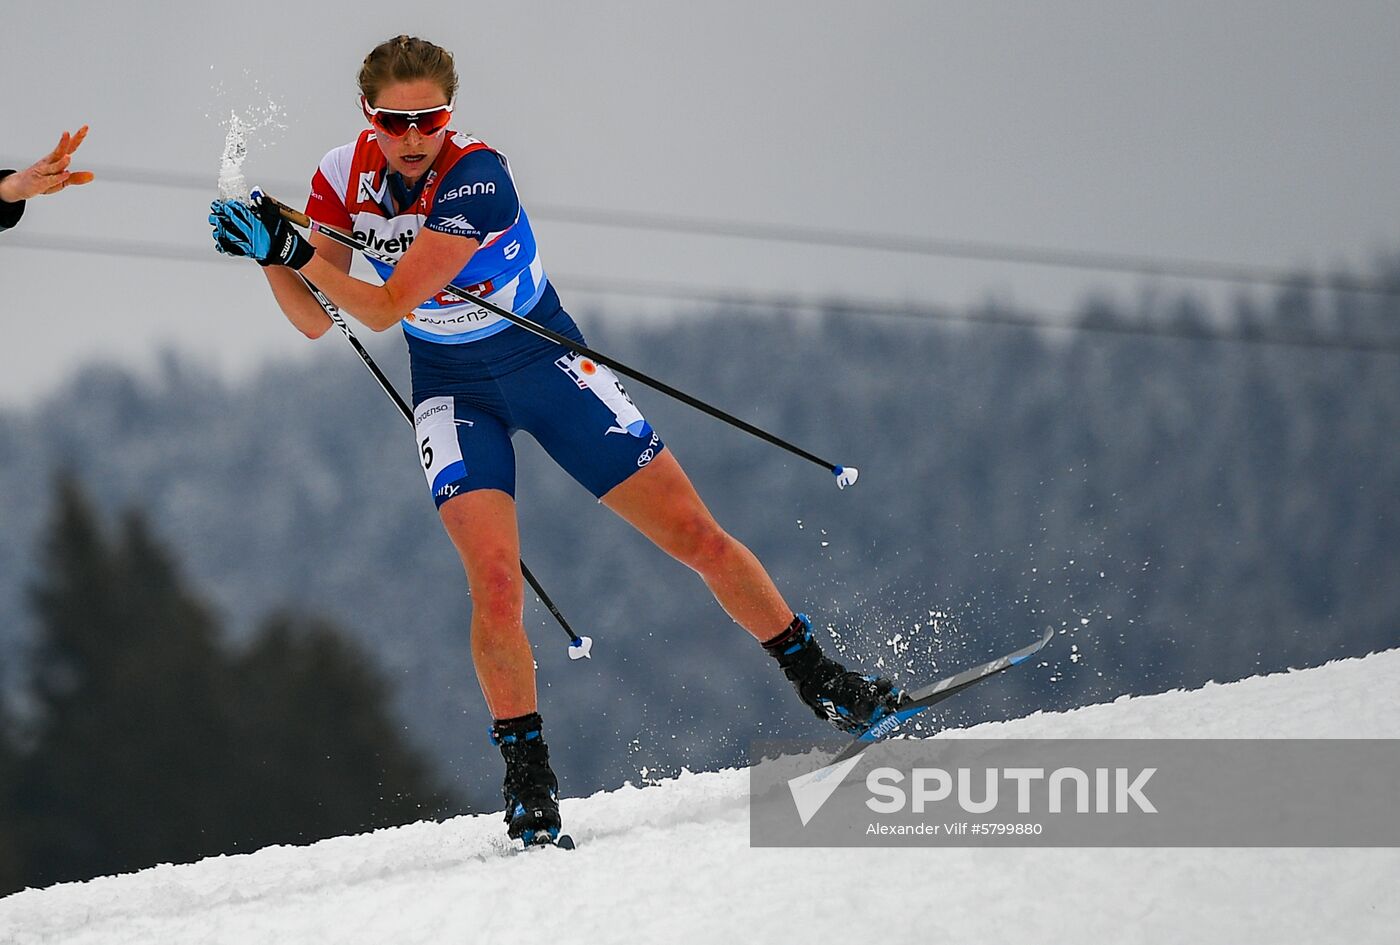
672,864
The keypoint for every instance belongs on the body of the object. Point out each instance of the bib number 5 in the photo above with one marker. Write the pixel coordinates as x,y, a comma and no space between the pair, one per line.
435,424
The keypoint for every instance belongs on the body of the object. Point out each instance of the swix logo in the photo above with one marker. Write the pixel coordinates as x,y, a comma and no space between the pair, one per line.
471,190
512,249
367,192
394,246
457,222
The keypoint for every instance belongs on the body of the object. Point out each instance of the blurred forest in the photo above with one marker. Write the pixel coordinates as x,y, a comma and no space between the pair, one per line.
1188,494
151,741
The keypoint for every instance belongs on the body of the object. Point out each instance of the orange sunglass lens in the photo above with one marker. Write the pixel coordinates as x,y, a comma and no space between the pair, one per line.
398,123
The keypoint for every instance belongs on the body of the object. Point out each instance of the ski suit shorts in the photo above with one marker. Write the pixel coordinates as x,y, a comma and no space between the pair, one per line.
470,399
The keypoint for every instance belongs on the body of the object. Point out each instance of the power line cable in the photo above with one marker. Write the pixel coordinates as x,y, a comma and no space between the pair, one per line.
946,248
979,251
866,307
131,249
845,305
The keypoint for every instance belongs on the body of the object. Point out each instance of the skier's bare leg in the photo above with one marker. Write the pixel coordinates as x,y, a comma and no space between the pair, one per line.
660,502
482,525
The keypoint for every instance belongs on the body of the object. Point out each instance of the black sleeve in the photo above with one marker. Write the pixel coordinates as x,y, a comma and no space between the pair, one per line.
9,212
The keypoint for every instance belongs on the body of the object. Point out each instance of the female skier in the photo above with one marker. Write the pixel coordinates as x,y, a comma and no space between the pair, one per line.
444,205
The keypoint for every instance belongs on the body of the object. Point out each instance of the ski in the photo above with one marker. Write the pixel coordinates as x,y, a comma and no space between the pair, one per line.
561,842
934,693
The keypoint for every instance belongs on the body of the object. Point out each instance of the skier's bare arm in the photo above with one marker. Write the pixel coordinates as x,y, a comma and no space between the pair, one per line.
295,300
430,263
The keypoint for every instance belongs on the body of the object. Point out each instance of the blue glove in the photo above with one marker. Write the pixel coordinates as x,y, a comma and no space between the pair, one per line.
258,232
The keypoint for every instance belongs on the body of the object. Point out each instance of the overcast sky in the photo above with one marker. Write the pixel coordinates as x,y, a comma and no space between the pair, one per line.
1244,132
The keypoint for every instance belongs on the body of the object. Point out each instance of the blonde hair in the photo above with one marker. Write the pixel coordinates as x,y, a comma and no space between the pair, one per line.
403,59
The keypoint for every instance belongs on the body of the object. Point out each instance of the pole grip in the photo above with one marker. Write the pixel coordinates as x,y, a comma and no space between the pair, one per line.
295,217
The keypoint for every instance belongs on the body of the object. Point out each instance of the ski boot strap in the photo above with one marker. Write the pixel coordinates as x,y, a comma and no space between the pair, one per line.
795,649
792,639
525,728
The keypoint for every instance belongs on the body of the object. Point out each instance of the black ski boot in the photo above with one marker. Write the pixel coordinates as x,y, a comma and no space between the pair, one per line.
531,789
851,701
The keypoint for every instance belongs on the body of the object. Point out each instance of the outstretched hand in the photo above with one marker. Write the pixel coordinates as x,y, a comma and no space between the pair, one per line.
49,174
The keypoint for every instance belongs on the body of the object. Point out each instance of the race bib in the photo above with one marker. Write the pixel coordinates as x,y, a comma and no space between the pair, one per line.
439,452
592,376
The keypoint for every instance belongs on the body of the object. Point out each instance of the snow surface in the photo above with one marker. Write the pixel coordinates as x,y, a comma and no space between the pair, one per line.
672,864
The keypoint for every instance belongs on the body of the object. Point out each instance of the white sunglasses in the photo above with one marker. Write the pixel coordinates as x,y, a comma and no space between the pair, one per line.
395,122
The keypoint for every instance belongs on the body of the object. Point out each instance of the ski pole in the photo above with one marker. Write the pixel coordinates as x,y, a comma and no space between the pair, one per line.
579,647
845,475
